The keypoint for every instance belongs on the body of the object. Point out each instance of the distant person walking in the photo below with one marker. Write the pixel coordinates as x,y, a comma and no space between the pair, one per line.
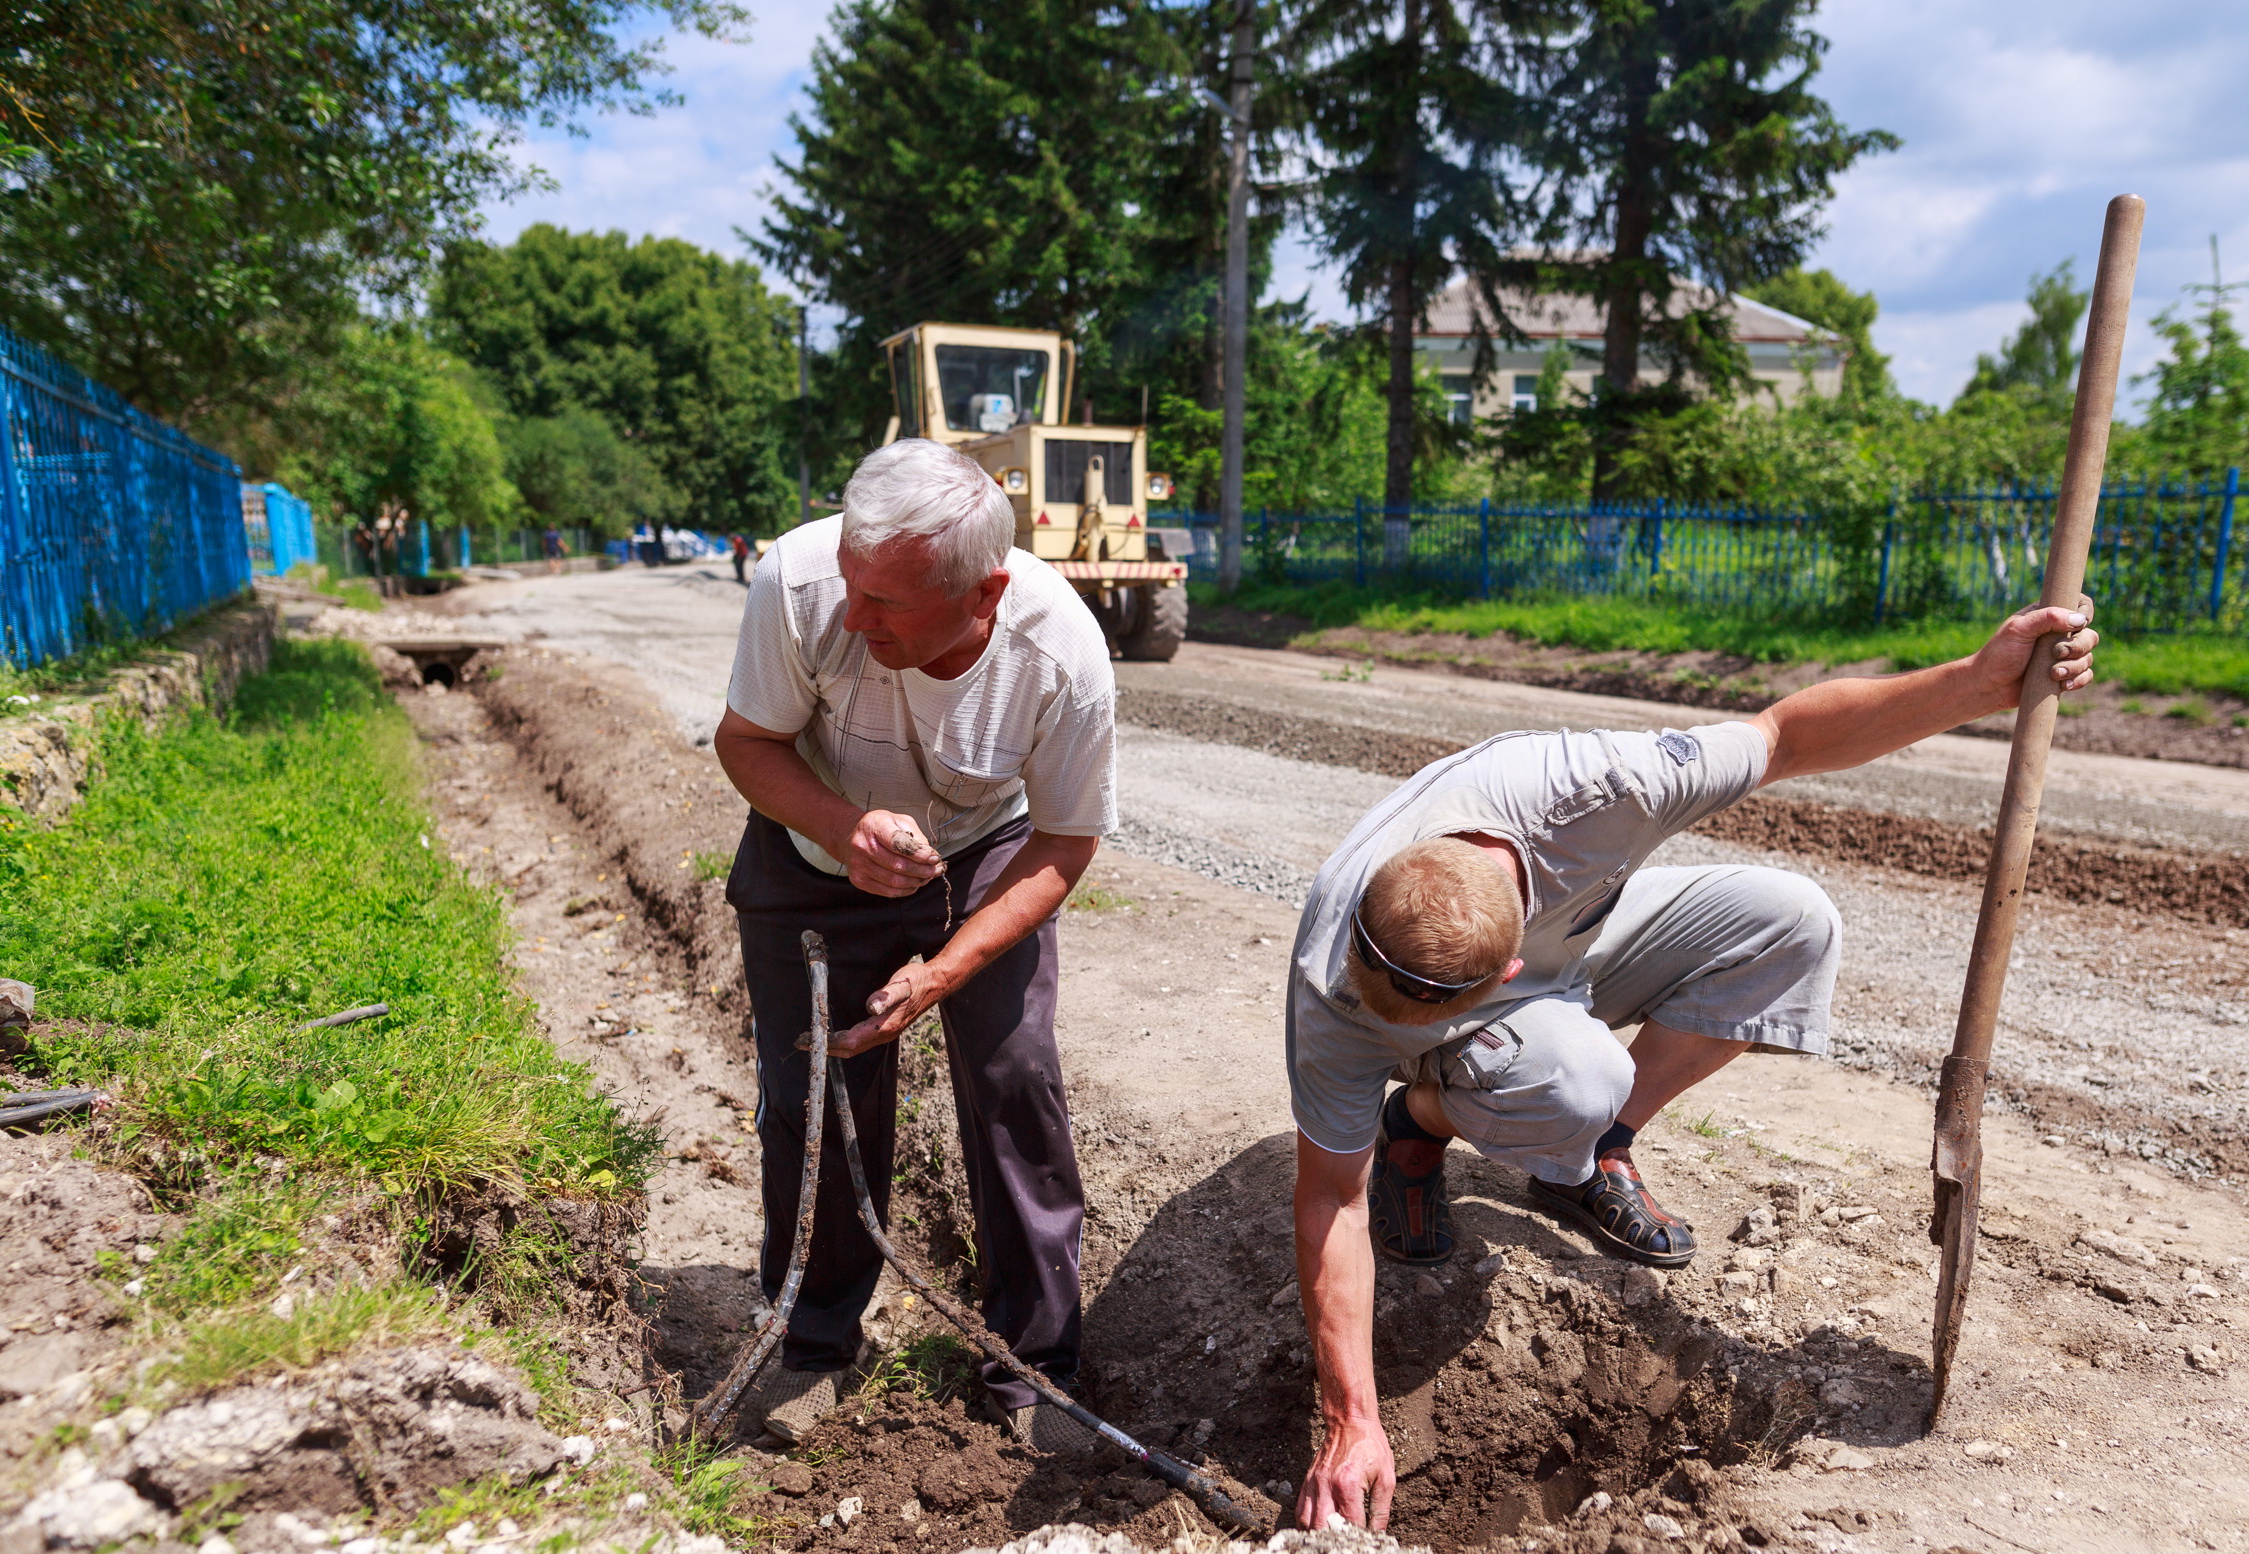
738,548
555,546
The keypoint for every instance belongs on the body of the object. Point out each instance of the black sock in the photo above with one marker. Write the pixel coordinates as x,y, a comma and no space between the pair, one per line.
1618,1137
1398,1123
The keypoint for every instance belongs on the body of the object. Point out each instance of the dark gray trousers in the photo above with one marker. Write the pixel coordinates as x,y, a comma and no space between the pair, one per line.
1007,1093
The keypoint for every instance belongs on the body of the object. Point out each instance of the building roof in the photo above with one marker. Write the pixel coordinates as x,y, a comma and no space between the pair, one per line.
1556,316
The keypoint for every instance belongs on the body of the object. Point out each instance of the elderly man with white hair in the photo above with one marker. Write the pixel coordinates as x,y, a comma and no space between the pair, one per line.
923,720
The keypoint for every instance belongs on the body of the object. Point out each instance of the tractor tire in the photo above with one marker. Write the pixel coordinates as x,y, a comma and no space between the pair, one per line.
1159,625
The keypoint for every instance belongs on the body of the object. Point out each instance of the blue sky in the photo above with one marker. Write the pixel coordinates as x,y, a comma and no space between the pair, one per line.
2020,118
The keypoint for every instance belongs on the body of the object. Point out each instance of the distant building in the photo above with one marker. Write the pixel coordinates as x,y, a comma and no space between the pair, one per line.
1785,352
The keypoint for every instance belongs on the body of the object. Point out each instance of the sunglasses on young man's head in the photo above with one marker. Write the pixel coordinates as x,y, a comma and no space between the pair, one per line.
1411,984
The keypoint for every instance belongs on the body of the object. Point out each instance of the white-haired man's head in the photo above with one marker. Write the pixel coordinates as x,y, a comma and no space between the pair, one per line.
924,556
916,490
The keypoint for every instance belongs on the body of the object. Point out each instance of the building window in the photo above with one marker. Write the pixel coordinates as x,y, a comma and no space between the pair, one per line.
1460,398
1526,391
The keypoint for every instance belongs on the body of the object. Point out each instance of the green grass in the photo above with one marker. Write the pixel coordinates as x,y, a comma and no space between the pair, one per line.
227,881
218,1348
929,1366
2166,666
1086,897
713,866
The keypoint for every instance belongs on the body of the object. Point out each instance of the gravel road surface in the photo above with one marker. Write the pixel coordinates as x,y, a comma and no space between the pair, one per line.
2122,1030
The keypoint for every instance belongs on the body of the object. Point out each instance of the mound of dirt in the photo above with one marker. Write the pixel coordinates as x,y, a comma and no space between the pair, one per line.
2202,887
2105,720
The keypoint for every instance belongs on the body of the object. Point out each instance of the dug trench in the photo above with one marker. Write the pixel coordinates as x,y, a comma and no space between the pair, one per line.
1539,1395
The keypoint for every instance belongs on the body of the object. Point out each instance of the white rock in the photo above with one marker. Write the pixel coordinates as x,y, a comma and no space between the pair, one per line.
1663,1526
616,1426
360,1546
1594,1504
1853,1213
462,1536
284,1306
578,1448
1840,1393
1847,1459
910,1511
107,1434
2118,1247
217,1543
1643,1286
636,1501
144,1254
508,1528
134,1420
1988,1451
1488,1266
848,1508
88,1516
2202,1291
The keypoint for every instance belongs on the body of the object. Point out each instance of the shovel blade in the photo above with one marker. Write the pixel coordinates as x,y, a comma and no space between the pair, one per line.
1956,1163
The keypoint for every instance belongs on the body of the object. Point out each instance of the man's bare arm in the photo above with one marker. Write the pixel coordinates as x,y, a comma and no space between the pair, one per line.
1335,1270
1840,724
765,768
1029,890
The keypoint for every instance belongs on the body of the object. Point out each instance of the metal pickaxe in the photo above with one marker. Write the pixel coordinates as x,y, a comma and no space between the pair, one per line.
1957,1159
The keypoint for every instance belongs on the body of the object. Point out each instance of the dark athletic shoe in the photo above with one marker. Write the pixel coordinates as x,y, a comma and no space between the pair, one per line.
1409,1215
1616,1209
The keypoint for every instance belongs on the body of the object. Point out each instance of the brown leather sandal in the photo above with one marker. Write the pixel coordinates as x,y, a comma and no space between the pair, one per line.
1615,1208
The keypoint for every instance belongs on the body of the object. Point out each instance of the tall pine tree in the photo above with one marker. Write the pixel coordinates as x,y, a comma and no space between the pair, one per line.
1674,138
970,161
1409,113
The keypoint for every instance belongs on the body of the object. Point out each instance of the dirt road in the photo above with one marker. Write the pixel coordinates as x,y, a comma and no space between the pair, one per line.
2104,1399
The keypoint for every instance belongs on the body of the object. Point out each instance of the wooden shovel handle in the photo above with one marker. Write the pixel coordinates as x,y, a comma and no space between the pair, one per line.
2065,583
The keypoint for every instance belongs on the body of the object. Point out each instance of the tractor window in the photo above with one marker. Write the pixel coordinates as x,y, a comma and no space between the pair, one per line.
989,388
905,386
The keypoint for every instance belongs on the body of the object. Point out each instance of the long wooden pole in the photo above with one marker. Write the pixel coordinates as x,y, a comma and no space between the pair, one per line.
1957,1158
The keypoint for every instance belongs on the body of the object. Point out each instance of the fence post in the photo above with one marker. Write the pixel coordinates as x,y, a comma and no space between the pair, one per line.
421,546
1655,540
1484,549
1359,541
1882,578
2225,542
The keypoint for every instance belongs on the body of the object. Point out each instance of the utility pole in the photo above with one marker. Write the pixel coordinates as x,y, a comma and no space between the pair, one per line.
1242,80
804,414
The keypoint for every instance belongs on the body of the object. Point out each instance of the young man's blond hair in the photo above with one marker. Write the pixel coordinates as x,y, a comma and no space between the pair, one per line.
1443,910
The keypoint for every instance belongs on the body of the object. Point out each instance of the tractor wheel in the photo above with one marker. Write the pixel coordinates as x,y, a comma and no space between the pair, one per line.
1159,624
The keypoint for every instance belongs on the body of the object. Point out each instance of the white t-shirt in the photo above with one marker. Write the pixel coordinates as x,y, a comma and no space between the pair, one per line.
1029,729
1583,810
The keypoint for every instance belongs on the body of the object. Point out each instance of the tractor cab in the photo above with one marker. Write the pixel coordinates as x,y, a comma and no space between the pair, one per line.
1080,493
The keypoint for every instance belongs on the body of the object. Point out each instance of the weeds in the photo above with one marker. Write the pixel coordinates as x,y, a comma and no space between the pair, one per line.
2194,712
1706,1126
713,866
1355,674
710,1492
230,1250
931,1367
226,881
218,1349
1085,897
2131,704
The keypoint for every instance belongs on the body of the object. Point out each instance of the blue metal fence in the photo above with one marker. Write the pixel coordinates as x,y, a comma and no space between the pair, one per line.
278,524
2164,556
112,524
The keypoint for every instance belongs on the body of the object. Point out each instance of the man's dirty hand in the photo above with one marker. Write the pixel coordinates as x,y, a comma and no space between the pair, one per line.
894,1006
887,855
2004,658
1353,1467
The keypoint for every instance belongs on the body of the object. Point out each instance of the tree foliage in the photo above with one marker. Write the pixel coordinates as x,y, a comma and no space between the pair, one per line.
395,423
684,353
199,193
1410,120
2042,355
1674,138
1820,297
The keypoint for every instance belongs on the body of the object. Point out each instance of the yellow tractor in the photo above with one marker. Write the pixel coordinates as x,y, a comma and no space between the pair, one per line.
1081,493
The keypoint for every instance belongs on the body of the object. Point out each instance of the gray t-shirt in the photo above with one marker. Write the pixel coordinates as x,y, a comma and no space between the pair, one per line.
1583,810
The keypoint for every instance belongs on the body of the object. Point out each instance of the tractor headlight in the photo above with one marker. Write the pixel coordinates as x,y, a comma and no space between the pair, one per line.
1015,482
1159,487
